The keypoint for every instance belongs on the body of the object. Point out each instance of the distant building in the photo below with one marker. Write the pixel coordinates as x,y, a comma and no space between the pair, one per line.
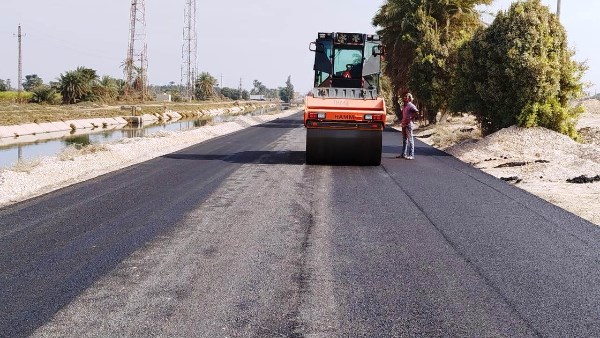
257,98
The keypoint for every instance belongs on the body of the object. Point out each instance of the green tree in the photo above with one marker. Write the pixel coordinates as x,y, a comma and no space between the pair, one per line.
520,71
272,93
245,95
259,88
205,86
397,28
422,38
286,94
31,82
4,86
230,93
76,85
108,89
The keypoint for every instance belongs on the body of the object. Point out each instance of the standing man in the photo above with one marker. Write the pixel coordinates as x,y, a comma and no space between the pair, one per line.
409,112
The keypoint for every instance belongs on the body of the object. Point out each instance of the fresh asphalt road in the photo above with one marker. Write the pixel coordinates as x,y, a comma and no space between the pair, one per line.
237,237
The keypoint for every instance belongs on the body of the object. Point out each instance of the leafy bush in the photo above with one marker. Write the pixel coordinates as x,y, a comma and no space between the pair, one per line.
520,71
45,94
4,85
230,93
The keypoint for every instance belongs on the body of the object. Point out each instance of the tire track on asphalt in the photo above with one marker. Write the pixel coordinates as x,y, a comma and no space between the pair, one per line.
232,266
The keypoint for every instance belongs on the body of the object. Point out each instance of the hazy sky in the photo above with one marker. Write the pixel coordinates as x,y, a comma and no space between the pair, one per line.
264,39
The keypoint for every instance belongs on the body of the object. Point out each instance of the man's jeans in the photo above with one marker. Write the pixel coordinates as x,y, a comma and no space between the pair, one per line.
408,141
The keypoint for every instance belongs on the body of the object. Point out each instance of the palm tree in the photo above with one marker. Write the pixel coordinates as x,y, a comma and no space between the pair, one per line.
398,32
76,85
407,26
205,86
107,89
72,87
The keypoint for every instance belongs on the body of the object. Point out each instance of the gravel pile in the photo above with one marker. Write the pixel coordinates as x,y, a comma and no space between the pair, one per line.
591,106
590,135
548,154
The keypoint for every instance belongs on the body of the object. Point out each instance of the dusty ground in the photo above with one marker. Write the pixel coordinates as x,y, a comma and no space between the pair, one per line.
537,160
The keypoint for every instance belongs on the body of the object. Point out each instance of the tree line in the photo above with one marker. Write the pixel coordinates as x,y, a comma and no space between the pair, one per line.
85,85
518,70
206,88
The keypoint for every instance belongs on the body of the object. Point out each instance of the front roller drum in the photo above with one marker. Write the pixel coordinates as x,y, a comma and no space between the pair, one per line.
341,147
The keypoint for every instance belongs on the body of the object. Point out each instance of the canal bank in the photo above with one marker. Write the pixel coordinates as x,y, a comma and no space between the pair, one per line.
30,141
137,115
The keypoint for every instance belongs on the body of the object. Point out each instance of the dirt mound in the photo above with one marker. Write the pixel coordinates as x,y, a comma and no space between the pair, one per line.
542,155
591,106
590,135
527,144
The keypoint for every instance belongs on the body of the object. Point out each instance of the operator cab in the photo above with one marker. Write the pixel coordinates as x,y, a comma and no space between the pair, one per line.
347,60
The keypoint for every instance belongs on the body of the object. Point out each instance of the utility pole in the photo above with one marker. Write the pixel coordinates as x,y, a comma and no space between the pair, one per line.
221,85
558,9
190,50
136,63
240,89
20,71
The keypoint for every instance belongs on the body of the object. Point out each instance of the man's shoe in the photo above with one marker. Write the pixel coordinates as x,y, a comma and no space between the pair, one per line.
401,156
410,157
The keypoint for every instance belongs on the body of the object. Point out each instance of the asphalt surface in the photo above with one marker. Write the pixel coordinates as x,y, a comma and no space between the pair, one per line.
237,237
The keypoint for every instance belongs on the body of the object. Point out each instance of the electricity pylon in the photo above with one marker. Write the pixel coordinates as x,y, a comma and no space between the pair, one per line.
189,70
135,66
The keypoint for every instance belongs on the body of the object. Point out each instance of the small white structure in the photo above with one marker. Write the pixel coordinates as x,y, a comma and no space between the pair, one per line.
164,97
257,97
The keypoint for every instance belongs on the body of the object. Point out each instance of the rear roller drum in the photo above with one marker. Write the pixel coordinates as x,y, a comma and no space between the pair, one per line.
361,147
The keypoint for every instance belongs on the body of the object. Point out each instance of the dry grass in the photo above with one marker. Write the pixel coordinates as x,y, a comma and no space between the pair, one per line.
73,151
12,114
26,166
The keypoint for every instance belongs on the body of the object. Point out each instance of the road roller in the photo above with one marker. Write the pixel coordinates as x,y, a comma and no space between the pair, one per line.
344,114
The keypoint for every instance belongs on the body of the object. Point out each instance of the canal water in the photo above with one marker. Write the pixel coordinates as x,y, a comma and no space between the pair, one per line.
27,151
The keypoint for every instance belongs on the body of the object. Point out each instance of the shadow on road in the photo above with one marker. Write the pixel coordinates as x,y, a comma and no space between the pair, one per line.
256,157
289,123
421,149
